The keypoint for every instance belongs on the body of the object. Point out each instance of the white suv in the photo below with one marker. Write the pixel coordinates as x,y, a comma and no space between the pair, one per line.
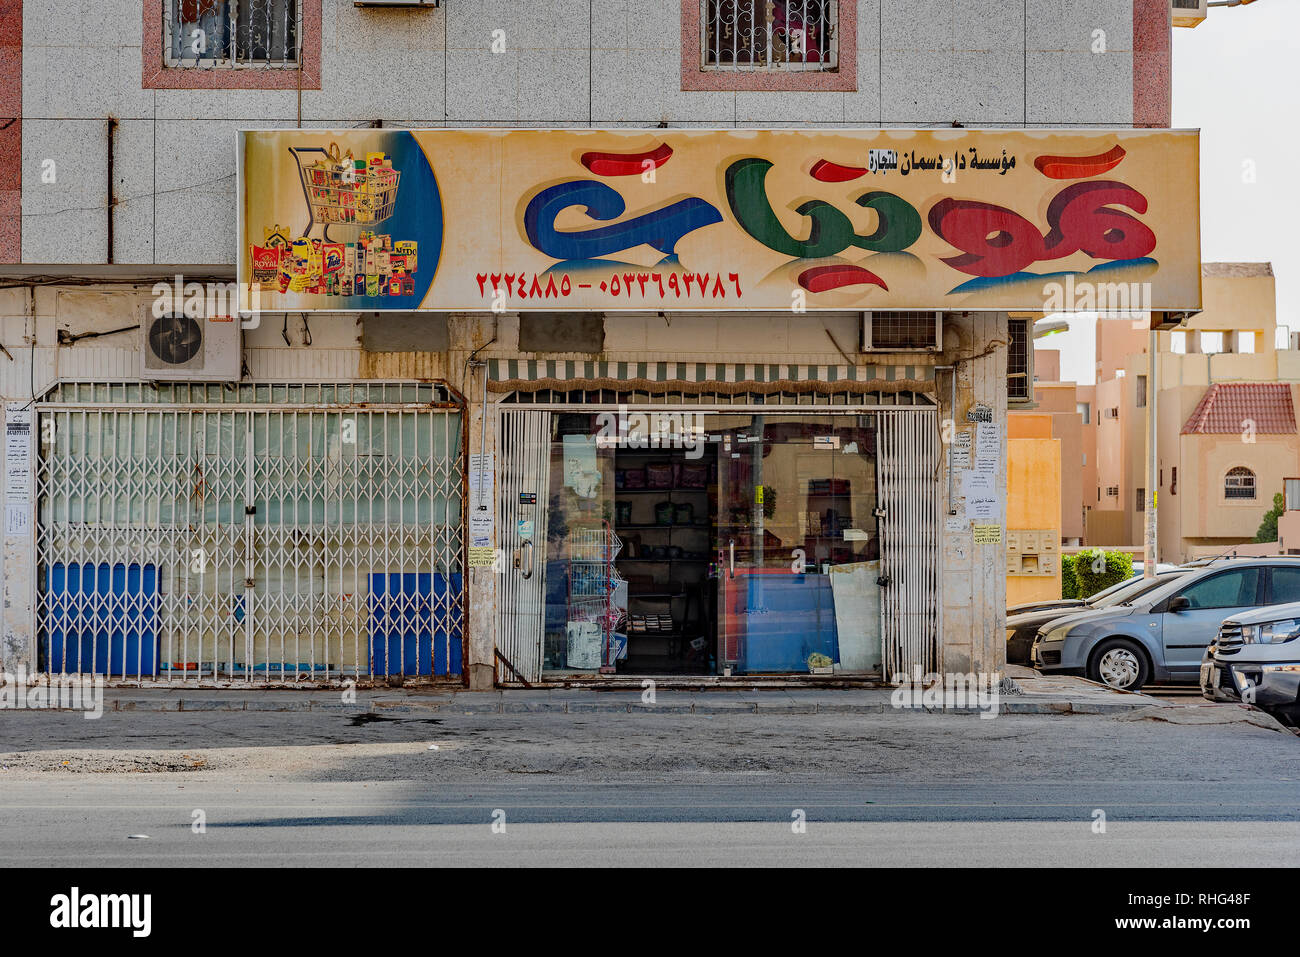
1255,658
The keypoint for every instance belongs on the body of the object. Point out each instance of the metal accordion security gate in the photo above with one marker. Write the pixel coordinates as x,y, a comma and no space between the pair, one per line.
907,464
288,534
524,439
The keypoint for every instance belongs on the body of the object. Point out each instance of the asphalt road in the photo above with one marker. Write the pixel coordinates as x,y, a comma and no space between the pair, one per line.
329,789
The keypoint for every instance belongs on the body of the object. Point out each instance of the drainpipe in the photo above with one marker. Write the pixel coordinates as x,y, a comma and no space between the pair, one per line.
1153,460
112,198
952,410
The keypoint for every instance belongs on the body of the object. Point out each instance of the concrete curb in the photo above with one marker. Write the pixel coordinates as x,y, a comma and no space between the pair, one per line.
1014,706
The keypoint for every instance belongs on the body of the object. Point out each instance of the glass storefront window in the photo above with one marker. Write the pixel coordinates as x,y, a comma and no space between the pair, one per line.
753,548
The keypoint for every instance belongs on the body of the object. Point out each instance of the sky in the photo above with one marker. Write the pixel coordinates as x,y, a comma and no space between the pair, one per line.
1237,79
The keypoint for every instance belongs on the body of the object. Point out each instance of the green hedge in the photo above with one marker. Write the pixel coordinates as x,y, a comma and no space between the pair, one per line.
1093,570
1069,581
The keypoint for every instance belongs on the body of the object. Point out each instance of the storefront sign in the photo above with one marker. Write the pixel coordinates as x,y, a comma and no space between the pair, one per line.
565,220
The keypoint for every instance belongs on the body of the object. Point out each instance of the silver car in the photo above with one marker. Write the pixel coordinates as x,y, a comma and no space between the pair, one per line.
1255,659
1162,635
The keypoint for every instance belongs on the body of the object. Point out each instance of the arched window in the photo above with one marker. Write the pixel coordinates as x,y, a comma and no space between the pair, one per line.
1239,483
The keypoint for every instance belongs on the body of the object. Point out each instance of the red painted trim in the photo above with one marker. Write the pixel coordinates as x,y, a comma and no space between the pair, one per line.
845,78
11,131
156,75
1152,63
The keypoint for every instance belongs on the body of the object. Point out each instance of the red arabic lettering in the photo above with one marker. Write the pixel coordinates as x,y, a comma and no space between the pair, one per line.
996,241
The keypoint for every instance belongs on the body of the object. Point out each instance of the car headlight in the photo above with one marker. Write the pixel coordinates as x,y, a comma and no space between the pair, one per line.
1271,632
1056,634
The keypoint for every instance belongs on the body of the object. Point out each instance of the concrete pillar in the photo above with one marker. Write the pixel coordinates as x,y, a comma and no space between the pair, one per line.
471,336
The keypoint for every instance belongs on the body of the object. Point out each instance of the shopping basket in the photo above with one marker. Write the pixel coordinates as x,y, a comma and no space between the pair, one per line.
368,199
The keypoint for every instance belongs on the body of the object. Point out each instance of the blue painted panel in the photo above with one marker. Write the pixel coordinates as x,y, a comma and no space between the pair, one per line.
411,633
789,617
102,619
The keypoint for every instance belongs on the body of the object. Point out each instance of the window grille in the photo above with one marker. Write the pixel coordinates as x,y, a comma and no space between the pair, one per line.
232,33
770,35
1018,366
1239,483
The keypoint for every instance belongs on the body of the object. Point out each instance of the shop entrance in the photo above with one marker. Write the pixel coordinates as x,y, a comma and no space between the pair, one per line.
706,542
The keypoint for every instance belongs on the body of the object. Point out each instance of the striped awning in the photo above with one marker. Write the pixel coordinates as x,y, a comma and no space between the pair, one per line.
509,374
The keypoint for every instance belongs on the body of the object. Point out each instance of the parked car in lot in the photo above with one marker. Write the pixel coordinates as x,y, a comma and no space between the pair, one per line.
1023,628
1081,602
1162,635
1255,658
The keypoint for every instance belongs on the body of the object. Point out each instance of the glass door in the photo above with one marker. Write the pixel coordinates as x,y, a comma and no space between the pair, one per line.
797,544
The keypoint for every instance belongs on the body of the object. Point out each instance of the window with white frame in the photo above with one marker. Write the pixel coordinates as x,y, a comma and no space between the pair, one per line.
232,33
769,35
1239,483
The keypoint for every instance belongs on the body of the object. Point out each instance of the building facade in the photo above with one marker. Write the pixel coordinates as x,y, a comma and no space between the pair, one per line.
1227,427
434,480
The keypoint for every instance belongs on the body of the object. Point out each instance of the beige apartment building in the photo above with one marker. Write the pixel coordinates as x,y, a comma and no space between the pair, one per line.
1227,423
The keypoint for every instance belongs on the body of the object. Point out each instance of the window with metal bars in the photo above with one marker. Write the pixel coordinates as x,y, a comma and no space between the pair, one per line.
769,35
1239,483
1019,373
232,33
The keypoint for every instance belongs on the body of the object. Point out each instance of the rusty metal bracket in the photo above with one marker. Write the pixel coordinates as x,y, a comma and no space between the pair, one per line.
513,670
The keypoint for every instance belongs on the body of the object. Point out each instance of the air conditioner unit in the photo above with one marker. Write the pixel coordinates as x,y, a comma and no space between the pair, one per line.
179,347
902,331
1188,13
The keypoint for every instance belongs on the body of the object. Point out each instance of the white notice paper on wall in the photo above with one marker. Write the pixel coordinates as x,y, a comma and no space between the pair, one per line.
988,447
982,501
17,521
959,450
482,505
18,455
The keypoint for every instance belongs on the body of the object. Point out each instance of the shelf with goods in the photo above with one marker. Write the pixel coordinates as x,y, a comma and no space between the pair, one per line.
666,520
593,613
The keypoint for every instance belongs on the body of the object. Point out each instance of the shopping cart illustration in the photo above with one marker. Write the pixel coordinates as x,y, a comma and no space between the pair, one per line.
338,193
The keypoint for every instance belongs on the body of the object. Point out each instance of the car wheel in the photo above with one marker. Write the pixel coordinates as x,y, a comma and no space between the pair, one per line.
1119,663
1288,715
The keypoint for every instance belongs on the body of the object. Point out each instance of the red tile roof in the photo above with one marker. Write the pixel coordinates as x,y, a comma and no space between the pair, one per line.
1229,408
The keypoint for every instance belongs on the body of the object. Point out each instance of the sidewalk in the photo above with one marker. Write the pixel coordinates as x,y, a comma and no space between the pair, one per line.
1039,695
